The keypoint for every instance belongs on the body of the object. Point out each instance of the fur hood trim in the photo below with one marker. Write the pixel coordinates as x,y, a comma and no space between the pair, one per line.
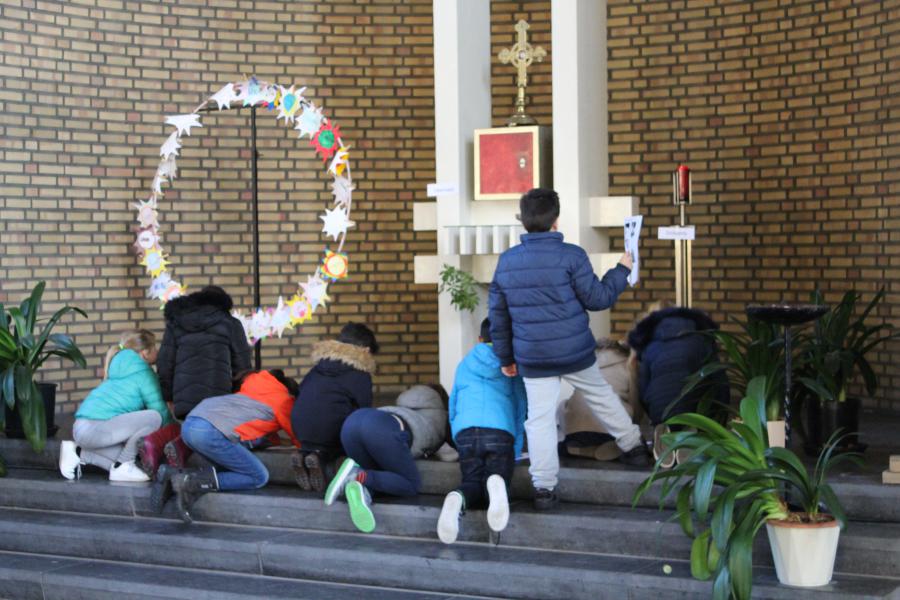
184,304
641,336
349,354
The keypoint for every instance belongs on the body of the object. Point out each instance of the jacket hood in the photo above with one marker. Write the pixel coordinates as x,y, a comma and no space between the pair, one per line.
483,361
200,310
668,323
423,411
348,355
420,397
609,358
263,387
126,363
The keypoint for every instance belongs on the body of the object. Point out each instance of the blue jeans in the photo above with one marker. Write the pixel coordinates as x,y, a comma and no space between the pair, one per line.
373,439
236,467
483,451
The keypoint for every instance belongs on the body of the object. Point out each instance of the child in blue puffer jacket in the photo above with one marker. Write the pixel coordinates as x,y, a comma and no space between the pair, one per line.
124,408
487,421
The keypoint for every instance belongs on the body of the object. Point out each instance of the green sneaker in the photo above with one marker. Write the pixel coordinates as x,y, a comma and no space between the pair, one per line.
360,506
346,472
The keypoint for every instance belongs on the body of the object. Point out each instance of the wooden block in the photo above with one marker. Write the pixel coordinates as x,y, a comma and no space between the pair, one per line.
895,464
890,478
427,269
424,216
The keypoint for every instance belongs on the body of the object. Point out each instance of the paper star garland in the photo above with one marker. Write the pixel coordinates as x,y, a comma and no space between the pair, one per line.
299,310
281,318
254,94
342,189
147,215
290,103
173,290
335,265
171,146
326,140
155,261
183,123
339,162
245,323
315,291
260,325
310,121
224,97
336,223
159,285
147,239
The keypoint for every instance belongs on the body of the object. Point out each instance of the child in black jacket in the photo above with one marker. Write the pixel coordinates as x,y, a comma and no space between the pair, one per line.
339,383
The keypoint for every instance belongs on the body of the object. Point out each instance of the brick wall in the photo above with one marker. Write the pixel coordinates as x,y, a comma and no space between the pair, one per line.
786,113
86,86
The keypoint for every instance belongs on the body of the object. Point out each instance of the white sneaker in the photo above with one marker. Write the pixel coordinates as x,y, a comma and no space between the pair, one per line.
448,522
498,509
128,472
69,461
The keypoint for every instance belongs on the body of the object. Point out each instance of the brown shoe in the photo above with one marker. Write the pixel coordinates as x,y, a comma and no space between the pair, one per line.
301,476
313,463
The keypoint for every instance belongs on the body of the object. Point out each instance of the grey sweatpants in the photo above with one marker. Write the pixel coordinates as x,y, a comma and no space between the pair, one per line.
104,443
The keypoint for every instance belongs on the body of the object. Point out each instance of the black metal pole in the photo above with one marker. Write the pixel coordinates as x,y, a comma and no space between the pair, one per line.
787,385
254,155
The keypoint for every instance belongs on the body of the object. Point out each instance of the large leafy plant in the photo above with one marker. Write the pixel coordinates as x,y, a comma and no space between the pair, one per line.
22,353
462,286
732,484
756,349
835,351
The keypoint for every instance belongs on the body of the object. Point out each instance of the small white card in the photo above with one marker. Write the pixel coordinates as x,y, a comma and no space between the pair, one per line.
442,189
632,237
676,233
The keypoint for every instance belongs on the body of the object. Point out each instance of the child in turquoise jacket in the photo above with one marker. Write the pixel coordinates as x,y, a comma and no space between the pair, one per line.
125,407
487,420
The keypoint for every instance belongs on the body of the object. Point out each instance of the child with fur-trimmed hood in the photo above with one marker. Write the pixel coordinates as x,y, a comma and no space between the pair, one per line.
338,384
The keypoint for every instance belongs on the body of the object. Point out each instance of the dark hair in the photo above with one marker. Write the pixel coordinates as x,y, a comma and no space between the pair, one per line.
539,209
292,386
358,334
486,331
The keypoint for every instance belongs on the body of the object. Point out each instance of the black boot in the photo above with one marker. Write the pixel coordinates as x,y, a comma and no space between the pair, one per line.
190,485
161,490
639,457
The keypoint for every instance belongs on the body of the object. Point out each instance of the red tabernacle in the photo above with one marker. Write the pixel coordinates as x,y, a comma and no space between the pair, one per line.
501,164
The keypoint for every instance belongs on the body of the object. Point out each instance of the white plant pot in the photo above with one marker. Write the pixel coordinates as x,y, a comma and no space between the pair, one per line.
803,552
776,434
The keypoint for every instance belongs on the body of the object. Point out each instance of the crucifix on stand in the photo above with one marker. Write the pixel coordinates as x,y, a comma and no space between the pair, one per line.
521,56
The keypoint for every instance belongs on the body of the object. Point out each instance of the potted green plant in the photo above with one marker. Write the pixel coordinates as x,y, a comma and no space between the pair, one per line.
829,359
22,353
462,287
756,349
733,484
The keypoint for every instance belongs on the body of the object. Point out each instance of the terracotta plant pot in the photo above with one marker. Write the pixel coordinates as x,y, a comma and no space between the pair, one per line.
776,434
804,553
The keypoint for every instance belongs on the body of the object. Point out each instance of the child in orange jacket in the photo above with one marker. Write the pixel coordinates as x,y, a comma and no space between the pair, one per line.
222,429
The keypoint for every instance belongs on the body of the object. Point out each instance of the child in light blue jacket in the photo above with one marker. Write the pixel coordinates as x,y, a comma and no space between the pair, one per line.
487,421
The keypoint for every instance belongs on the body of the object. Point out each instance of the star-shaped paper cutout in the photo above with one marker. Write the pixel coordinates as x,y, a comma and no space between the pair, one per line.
159,285
291,103
260,325
310,121
147,239
254,93
172,291
299,310
165,173
335,265
336,222
339,162
171,146
315,290
156,186
155,261
281,317
326,141
342,188
183,123
224,97
147,215
245,323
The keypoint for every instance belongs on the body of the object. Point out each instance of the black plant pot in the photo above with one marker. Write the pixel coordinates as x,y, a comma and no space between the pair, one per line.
14,423
824,418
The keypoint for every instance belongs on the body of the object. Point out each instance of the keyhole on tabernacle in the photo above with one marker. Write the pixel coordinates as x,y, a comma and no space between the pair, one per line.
522,163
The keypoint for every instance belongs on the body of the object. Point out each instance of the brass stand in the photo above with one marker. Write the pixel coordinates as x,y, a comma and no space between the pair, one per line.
683,280
521,55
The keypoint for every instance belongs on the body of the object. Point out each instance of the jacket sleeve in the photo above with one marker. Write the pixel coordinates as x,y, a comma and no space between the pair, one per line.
501,324
165,363
521,403
151,395
598,294
240,349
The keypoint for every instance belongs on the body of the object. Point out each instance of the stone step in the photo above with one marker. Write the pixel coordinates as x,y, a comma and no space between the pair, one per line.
381,561
865,548
582,481
51,577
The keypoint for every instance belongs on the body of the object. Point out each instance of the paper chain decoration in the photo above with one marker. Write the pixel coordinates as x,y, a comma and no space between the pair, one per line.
325,137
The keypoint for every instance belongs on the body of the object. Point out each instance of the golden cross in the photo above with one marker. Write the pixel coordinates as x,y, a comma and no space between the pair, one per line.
521,56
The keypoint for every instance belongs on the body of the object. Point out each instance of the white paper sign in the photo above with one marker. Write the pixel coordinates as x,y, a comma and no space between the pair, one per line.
676,233
632,237
442,189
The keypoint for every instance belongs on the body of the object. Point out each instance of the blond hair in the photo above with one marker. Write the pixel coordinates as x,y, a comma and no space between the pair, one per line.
133,339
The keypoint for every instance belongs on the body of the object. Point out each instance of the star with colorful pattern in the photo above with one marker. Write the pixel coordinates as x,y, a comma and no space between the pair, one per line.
155,261
299,310
326,140
335,265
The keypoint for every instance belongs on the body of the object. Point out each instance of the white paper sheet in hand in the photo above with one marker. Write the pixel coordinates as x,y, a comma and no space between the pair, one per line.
632,237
